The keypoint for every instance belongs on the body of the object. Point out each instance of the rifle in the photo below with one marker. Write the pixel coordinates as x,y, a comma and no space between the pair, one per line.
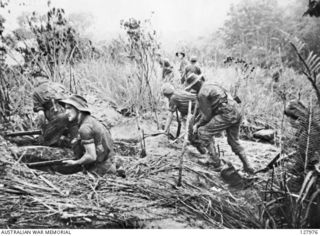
51,132
46,163
22,133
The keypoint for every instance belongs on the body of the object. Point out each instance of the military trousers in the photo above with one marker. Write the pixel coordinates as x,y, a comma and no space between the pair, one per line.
228,119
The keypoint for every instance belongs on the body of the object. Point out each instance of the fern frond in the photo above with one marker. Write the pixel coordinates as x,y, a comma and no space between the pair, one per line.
299,44
313,61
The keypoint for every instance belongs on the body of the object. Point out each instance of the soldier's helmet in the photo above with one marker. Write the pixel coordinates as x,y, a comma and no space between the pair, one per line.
77,101
167,89
180,53
193,59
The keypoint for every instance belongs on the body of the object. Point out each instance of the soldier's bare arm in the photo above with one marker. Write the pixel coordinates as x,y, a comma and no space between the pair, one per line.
88,157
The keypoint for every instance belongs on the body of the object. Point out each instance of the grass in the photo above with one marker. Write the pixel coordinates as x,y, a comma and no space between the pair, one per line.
262,99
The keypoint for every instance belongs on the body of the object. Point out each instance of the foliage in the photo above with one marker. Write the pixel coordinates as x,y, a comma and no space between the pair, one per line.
4,94
251,31
55,43
294,200
142,47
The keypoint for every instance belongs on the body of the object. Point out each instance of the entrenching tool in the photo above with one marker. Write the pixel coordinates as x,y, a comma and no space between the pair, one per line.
157,134
179,125
275,162
153,135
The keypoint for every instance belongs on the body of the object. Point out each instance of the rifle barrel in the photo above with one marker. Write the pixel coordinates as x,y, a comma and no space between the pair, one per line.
45,163
22,133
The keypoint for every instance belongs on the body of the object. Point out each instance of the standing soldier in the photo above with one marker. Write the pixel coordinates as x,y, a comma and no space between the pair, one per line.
218,113
97,153
183,62
178,101
167,68
191,68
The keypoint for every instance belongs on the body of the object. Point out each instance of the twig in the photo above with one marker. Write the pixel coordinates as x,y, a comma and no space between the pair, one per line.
52,185
308,135
185,142
142,141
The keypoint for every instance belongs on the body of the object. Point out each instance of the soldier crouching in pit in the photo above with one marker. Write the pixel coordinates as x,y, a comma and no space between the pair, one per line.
218,113
45,99
51,117
96,154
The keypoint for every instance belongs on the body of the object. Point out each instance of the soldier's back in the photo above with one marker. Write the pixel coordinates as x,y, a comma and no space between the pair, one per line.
181,98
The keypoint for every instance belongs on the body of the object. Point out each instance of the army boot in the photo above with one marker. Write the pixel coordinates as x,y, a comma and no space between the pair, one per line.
246,166
212,157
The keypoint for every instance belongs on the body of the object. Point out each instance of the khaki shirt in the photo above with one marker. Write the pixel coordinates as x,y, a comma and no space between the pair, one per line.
93,131
210,98
192,68
167,68
43,96
182,67
180,101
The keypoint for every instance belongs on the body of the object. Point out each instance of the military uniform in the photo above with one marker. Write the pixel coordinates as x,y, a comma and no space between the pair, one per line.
167,70
218,112
45,96
192,68
182,67
179,101
93,131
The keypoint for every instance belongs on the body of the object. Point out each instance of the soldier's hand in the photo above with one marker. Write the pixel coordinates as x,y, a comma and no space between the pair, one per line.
195,129
41,119
70,162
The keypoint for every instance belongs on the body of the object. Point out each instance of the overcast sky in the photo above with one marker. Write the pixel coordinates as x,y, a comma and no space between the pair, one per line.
170,16
173,19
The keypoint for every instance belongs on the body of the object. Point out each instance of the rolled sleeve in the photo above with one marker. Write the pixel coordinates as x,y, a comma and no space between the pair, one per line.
86,135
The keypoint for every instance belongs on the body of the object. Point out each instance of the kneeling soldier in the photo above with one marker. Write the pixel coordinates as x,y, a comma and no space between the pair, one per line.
178,101
97,154
218,113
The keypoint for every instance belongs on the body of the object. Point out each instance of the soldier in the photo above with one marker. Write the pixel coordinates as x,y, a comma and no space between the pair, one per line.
50,113
97,153
183,62
191,68
167,68
178,101
218,112
45,99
